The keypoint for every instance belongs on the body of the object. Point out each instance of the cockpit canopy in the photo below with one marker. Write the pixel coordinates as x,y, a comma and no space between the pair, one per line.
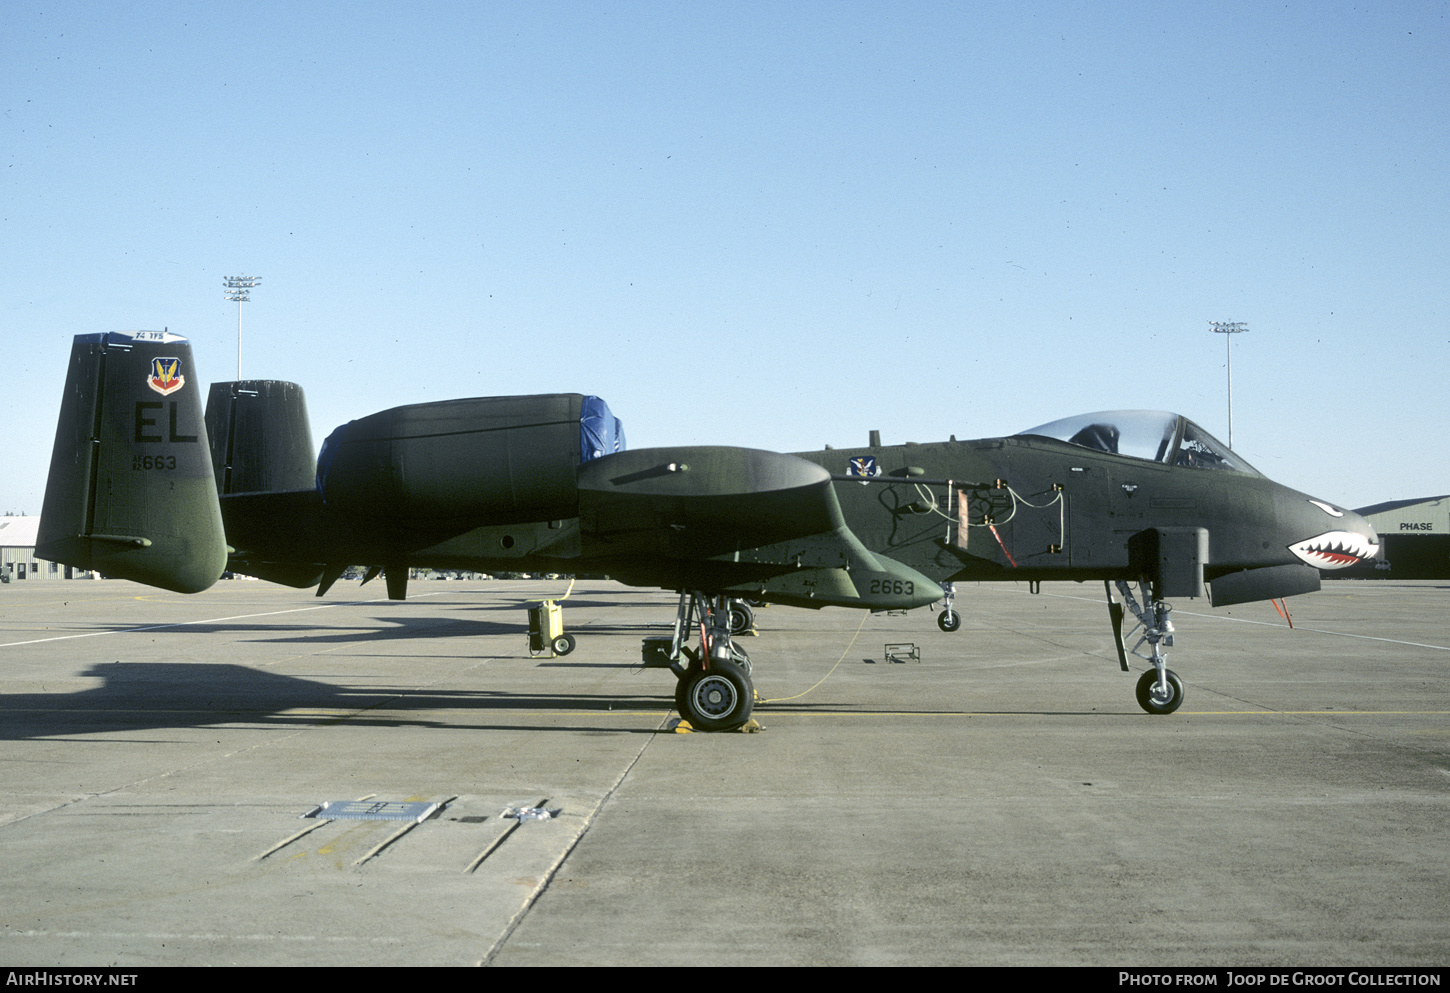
1155,435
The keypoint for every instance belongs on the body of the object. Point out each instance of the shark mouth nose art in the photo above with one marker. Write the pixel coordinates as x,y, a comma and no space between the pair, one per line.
1335,549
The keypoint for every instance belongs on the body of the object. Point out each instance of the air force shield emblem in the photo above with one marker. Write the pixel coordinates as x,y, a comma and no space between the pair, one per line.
166,377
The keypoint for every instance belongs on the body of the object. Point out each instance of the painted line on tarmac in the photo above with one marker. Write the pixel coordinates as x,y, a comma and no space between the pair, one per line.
207,620
1095,713
1269,624
1338,634
199,936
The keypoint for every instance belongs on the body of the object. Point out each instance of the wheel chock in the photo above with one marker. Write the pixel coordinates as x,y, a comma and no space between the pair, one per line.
751,726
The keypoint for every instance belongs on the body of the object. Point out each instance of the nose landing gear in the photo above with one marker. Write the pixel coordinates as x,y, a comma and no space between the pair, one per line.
948,620
1159,691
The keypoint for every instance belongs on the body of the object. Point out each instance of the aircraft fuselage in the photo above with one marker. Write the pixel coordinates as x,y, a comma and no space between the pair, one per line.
1034,509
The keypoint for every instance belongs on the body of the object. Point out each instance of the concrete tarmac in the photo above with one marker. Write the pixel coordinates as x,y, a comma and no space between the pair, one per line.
1002,801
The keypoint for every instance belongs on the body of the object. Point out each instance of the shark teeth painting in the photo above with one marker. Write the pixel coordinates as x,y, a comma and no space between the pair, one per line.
1335,549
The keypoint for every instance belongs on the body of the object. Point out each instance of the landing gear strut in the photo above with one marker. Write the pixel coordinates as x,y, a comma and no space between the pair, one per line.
715,692
1159,691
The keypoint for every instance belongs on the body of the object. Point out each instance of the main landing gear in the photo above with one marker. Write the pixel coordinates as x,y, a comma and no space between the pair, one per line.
1159,691
714,692
742,618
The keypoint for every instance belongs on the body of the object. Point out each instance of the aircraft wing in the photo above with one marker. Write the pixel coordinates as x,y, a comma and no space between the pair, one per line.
739,520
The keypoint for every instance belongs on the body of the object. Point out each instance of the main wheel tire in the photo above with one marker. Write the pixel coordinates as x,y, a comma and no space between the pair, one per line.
949,620
742,618
681,685
716,699
564,644
1151,699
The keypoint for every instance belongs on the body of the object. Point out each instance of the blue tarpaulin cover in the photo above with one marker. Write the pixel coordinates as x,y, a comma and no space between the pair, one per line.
600,432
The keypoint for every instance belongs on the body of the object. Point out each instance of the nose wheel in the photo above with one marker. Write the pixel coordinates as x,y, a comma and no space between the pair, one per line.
948,620
1160,695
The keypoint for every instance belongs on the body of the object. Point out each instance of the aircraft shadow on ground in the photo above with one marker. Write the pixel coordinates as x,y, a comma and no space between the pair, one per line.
376,629
158,695
429,631
524,603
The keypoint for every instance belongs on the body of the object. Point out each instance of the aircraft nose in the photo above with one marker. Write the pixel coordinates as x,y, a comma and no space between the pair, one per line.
1347,539
1364,527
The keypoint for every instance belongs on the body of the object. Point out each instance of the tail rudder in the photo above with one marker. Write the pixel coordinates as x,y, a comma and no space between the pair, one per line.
131,491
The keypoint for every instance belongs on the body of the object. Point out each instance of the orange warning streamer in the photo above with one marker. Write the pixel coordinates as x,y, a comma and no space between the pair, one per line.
993,528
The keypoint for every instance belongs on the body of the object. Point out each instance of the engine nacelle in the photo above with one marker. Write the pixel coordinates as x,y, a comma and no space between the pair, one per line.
494,460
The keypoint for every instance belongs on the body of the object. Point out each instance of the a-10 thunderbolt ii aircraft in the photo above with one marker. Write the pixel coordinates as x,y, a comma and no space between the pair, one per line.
143,486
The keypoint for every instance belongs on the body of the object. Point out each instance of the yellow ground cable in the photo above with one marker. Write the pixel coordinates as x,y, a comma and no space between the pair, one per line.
786,699
557,599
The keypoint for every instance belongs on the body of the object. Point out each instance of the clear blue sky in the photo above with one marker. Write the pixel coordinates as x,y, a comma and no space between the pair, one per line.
777,225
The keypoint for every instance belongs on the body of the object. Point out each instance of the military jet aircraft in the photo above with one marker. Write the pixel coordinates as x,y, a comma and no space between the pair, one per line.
145,486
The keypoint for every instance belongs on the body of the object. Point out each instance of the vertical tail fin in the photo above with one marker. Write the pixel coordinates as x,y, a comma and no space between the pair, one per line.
261,439
131,492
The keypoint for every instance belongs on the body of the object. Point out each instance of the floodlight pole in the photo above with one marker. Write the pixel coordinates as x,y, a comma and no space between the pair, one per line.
1228,330
239,289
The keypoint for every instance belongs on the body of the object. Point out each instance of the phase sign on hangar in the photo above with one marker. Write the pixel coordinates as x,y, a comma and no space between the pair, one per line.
1415,536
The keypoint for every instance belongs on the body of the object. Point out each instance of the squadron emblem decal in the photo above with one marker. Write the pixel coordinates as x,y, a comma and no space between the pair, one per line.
864,466
166,377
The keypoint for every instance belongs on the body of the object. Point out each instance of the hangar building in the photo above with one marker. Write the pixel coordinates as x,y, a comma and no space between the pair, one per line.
17,552
1415,536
